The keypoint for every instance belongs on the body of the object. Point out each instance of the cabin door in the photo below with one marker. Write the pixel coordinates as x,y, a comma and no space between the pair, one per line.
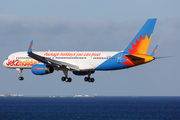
119,58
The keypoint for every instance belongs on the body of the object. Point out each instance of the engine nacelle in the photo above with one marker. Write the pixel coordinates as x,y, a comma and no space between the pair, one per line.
82,72
39,69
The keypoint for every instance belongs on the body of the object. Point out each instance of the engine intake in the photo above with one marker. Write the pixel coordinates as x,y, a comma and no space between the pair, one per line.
39,69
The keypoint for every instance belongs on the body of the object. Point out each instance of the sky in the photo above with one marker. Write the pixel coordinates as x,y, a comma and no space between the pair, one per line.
91,25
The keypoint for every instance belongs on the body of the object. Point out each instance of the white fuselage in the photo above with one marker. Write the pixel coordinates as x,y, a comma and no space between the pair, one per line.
86,60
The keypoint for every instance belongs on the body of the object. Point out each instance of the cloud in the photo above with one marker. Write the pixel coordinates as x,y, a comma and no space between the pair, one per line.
63,34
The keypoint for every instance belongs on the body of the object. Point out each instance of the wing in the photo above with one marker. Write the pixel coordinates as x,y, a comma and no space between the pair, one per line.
49,61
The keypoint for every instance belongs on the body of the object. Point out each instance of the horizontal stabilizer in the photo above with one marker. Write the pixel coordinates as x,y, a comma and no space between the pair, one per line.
133,58
154,51
138,59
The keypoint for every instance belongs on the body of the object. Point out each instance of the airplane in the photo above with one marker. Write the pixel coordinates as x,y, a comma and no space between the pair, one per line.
86,62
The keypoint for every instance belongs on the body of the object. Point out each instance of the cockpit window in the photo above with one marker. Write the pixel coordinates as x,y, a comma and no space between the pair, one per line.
6,58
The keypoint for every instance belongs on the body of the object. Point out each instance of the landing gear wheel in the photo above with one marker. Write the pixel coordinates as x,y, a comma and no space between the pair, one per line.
86,79
89,79
21,78
69,79
66,79
63,78
92,79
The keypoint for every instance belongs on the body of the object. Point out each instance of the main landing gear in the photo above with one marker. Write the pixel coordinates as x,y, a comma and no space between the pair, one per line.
20,73
66,79
88,79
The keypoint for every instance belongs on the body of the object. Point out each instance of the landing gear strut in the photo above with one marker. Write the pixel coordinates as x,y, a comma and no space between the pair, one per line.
20,73
66,79
88,79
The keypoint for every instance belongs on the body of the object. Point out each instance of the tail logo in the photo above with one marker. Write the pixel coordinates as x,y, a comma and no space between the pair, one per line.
140,46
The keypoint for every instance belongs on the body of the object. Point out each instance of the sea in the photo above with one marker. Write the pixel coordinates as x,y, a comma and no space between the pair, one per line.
90,108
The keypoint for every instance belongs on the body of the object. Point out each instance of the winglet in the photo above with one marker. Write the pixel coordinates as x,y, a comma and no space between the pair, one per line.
30,47
154,51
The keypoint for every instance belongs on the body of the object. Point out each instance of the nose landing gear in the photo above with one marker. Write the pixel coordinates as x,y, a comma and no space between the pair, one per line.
21,78
20,73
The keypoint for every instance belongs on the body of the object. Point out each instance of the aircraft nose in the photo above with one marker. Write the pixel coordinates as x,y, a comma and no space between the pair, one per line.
4,63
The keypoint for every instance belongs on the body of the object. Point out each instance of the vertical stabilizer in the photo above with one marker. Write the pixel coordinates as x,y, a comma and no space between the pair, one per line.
140,44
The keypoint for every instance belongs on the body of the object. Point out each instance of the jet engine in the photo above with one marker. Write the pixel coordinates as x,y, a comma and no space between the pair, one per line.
39,69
